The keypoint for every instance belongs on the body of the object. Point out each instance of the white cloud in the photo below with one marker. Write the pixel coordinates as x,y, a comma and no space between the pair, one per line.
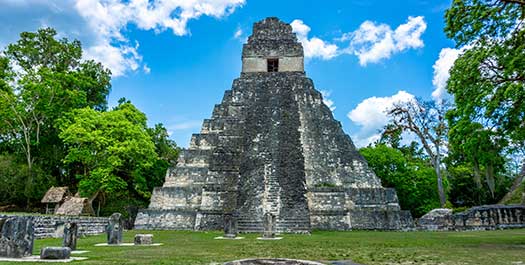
102,25
442,67
110,19
327,101
374,42
314,47
371,42
238,33
371,116
146,69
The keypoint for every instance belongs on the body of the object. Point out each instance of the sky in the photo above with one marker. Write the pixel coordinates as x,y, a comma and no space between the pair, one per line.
174,59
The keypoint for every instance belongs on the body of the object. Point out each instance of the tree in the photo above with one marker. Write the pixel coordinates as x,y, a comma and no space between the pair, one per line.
168,153
488,83
40,79
110,150
427,121
404,170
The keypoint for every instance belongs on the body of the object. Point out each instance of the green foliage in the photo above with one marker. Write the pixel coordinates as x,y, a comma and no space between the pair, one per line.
464,191
468,20
413,178
111,150
488,84
325,185
13,174
168,153
50,79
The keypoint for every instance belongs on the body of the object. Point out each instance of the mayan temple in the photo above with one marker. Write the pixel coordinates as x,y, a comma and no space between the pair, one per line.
272,146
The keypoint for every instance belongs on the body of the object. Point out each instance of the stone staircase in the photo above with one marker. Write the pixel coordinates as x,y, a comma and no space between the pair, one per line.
250,222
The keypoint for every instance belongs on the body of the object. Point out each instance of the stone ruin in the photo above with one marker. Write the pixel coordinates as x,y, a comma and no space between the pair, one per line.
16,237
230,226
272,146
486,217
55,253
269,226
70,235
143,239
114,229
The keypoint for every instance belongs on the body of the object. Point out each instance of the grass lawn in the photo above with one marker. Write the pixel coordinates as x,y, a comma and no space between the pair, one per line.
487,247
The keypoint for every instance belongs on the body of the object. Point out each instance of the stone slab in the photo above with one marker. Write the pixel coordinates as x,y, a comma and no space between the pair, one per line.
229,238
126,245
143,239
38,259
269,238
75,252
55,253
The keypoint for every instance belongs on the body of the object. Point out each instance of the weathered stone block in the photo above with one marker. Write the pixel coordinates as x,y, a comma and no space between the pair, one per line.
55,253
70,236
486,217
230,226
143,239
437,219
269,225
115,228
16,237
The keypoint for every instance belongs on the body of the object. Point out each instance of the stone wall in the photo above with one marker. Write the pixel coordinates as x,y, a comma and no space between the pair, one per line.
486,217
286,64
47,226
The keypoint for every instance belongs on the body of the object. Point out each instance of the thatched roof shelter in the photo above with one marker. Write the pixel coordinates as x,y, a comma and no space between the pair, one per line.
75,206
55,195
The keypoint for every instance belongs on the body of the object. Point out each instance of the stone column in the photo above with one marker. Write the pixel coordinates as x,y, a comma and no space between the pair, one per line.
114,229
269,225
70,235
16,237
230,226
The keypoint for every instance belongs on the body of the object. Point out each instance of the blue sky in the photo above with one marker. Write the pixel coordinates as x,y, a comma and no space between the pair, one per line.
175,59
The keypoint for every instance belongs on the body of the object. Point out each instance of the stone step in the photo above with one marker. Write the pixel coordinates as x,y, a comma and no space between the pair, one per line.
204,141
194,157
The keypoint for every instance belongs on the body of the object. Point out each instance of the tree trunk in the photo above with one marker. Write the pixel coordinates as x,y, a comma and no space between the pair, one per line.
29,182
441,189
515,185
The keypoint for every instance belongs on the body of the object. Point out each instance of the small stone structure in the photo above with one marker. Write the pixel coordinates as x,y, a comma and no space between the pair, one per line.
486,217
70,236
272,262
16,237
230,226
55,253
54,197
52,226
76,206
114,229
143,239
269,226
435,220
272,145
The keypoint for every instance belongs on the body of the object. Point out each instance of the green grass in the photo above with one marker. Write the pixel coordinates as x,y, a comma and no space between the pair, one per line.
487,247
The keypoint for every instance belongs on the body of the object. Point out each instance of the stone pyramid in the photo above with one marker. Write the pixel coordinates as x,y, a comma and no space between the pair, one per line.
272,146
